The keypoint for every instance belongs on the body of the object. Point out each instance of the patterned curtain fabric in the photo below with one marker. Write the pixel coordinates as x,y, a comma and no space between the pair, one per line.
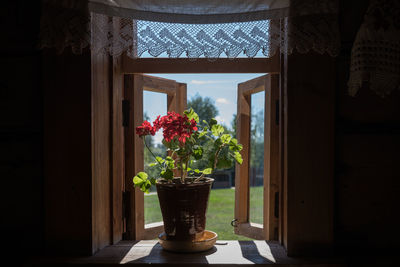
375,56
192,28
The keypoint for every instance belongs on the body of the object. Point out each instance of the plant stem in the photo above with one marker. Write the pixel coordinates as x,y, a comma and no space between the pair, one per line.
144,140
215,162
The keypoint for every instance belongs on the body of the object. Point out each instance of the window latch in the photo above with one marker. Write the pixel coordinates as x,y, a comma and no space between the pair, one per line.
234,222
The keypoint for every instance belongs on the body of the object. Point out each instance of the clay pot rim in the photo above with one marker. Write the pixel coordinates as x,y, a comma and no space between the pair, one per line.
204,181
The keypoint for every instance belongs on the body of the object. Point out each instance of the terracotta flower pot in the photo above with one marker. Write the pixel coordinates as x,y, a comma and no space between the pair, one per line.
184,207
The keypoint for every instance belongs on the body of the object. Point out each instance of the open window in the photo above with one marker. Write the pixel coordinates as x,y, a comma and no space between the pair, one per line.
134,86
268,228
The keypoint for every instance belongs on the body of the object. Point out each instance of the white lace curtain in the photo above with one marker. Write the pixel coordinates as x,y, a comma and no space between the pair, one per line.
375,56
191,28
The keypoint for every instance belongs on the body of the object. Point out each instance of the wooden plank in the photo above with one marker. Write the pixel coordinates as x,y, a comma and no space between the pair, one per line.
129,136
181,96
282,202
252,230
137,120
271,157
254,86
101,144
242,171
118,160
152,230
310,153
224,253
160,85
201,65
67,153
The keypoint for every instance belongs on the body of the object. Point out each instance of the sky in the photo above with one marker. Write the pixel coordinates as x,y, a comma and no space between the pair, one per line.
221,88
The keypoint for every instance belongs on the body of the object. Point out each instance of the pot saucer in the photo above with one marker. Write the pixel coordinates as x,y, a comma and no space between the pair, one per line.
204,243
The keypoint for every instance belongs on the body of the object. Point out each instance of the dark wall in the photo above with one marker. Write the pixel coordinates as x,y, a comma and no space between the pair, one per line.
367,173
21,129
367,142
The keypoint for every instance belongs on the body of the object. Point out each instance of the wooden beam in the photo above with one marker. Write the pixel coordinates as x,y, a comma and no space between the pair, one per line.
101,152
271,157
200,65
118,161
242,171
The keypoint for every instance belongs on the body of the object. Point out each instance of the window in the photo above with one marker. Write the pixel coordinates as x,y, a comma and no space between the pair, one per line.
134,85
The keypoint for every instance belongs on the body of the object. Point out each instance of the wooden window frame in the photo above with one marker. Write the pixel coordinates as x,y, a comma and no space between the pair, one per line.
124,65
134,85
268,230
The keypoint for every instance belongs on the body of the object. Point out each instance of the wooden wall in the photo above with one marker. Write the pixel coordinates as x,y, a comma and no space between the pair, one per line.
77,152
67,152
21,131
367,144
309,148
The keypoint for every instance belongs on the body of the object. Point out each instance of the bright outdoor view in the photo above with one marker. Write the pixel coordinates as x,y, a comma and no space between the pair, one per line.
213,96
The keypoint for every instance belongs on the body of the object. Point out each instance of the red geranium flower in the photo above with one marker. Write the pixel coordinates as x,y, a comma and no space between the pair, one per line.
145,129
173,125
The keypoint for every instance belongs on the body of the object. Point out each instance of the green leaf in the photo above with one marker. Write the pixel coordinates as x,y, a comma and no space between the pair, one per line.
140,179
213,122
203,133
224,163
217,130
234,146
137,181
197,152
217,143
145,187
142,175
153,164
238,157
167,174
160,159
191,115
225,138
196,170
170,162
207,171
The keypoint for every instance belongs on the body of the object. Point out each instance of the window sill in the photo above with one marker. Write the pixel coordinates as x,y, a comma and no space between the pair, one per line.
224,253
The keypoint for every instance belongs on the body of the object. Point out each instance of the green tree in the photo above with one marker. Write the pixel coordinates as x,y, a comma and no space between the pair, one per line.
204,107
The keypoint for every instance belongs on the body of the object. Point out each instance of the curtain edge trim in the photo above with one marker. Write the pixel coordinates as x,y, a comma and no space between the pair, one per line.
188,18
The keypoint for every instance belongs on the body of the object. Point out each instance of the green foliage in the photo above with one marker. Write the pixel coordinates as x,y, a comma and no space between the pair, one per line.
141,180
204,151
204,107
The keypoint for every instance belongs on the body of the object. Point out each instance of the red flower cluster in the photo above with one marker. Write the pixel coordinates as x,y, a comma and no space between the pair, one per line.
173,125
145,129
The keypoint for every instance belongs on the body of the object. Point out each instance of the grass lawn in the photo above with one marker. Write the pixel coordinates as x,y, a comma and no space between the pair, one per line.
220,211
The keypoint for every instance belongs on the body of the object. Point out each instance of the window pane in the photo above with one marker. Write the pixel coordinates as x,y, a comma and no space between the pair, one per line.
257,157
154,104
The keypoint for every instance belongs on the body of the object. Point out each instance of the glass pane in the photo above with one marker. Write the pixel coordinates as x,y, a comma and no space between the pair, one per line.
257,158
154,104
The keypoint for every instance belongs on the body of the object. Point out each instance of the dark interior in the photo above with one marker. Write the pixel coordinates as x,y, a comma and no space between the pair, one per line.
365,152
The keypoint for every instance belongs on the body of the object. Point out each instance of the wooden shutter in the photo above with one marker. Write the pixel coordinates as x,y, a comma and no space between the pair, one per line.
269,229
134,84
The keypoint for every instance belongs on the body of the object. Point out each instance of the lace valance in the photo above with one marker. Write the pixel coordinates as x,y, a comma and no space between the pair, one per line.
375,56
191,28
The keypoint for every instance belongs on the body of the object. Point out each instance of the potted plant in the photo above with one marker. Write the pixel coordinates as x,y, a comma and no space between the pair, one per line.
183,199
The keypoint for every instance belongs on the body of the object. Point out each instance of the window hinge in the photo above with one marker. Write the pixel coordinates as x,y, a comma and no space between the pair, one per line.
125,112
276,207
125,204
277,112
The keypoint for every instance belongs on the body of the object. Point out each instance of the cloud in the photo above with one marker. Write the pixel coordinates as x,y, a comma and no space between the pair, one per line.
208,81
222,100
220,119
